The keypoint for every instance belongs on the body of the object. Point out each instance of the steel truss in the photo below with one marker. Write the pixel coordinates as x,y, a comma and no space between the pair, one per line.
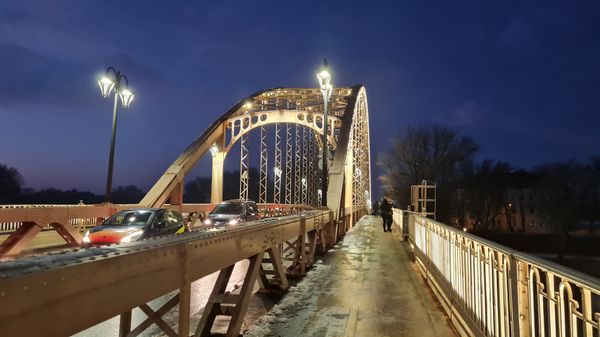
288,164
264,166
305,171
244,167
297,166
311,169
278,169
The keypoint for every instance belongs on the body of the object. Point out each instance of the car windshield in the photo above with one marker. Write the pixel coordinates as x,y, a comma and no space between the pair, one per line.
227,209
129,218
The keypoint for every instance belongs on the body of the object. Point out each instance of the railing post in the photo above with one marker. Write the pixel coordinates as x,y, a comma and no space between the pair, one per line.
519,298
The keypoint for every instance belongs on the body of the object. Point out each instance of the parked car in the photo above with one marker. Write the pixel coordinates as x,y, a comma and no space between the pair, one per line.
232,212
136,224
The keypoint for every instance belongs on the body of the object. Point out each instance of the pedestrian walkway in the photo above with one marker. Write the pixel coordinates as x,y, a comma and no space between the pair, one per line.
365,287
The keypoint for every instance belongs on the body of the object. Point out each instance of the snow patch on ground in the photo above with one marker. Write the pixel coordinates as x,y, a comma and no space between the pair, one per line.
300,303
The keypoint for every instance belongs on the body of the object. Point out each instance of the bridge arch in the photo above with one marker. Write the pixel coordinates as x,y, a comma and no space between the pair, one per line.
349,174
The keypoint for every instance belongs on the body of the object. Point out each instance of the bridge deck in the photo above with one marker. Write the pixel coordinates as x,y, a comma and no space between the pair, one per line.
366,286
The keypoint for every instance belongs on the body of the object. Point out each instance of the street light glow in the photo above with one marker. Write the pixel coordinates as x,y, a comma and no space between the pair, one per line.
126,97
106,86
214,150
324,78
303,181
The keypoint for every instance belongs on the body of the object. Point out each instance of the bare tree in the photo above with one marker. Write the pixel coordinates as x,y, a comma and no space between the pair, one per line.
11,183
431,153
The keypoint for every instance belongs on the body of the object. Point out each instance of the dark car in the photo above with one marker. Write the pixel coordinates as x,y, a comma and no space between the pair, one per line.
136,224
232,212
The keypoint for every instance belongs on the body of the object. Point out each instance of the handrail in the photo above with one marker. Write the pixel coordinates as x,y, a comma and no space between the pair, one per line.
492,290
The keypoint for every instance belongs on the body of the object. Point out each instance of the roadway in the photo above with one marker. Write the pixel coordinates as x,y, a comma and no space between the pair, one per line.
365,286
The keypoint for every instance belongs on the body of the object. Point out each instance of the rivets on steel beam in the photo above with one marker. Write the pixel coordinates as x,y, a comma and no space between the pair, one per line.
2,293
25,288
45,284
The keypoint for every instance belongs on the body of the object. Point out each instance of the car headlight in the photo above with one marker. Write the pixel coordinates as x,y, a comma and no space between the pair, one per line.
86,237
208,222
233,222
132,237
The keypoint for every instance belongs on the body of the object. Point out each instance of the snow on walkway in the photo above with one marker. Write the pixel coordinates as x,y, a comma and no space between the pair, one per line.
364,287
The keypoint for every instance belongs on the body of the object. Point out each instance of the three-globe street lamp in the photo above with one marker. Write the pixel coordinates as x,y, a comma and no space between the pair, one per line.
107,86
324,77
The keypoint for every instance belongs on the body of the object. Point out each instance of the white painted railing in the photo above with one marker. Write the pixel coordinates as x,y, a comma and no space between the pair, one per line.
491,290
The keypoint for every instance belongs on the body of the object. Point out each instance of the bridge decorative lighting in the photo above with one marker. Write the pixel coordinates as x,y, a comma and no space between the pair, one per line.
111,82
214,150
126,97
106,86
277,171
324,77
304,181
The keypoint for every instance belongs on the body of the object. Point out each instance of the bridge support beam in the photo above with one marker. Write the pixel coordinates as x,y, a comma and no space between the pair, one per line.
216,187
304,249
330,232
223,303
20,238
278,279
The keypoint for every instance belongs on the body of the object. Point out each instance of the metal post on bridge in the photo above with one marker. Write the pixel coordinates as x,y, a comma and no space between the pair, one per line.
324,77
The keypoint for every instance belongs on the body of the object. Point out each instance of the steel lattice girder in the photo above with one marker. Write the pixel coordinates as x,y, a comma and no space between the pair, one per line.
277,166
288,164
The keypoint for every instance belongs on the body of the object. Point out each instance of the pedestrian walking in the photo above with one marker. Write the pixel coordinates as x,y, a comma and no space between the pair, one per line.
386,214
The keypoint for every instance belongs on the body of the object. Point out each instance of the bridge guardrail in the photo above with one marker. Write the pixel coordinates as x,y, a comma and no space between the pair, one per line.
491,290
83,216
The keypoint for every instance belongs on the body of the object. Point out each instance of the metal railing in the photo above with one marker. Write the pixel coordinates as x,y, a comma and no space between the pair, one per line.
491,290
81,223
83,216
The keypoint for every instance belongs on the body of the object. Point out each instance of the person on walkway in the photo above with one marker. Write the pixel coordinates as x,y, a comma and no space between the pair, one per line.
386,214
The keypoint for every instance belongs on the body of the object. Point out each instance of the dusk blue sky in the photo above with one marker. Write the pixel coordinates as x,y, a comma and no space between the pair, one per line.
520,77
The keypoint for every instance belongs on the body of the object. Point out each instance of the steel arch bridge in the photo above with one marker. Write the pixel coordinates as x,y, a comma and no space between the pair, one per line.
38,292
297,116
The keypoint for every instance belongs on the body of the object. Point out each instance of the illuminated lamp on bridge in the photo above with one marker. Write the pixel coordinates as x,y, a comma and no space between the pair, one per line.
324,77
107,86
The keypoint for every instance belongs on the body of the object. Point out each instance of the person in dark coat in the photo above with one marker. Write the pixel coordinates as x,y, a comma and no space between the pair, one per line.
386,214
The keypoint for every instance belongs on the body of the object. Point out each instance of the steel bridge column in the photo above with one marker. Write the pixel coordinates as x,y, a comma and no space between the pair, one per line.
297,164
264,166
310,175
305,172
348,194
216,188
277,166
288,164
244,168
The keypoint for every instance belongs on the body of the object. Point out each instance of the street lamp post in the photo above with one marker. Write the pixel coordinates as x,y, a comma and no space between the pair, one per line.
107,85
324,77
